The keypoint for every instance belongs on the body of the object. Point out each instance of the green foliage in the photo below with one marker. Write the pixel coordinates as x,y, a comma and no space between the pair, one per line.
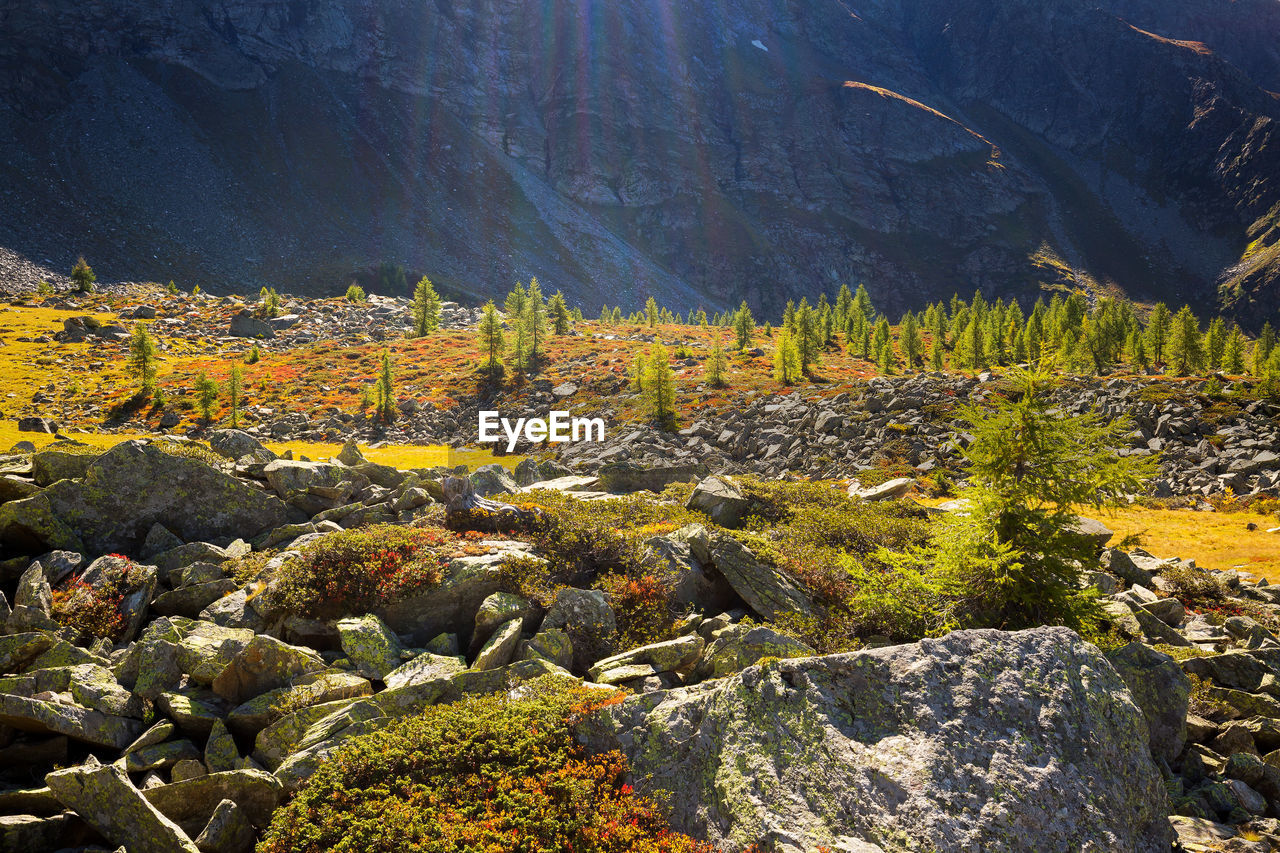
1186,348
559,312
254,355
269,301
43,288
744,327
717,366
142,357
1011,558
206,395
95,611
493,343
660,388
354,571
483,774
171,288
426,308
390,279
355,293
786,359
235,389
83,276
385,390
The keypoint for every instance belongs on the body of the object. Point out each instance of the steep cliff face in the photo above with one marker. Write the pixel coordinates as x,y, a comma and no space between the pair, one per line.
757,148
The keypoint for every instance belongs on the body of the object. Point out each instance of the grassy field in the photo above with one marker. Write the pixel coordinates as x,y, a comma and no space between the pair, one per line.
1215,540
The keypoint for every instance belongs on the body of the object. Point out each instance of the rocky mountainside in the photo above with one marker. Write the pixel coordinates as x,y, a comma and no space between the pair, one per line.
754,148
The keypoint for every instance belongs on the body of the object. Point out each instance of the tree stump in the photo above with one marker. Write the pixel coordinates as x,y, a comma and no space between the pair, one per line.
465,510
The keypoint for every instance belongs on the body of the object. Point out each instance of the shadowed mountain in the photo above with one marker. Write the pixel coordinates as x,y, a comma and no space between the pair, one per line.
700,152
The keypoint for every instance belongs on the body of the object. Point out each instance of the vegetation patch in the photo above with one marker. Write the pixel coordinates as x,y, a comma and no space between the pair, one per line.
485,774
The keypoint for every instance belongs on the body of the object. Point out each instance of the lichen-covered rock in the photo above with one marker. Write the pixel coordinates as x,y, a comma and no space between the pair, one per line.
767,590
127,490
228,831
721,500
669,656
22,832
1161,690
220,750
191,803
494,610
585,615
424,667
265,663
83,724
501,647
53,464
549,644
981,740
194,710
739,646
105,798
314,689
451,605
370,645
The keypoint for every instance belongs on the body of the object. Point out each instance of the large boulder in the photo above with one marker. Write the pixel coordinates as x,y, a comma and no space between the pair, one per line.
721,500
265,663
768,590
127,490
982,740
53,464
105,798
739,646
628,477
1161,691
245,325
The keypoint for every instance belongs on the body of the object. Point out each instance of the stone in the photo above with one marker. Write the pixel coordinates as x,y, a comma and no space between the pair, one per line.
207,649
194,710
676,655
95,687
1093,530
886,491
159,756
228,831
189,768
1249,799
627,477
29,714
114,506
1161,690
244,324
739,646
191,803
451,605
769,591
549,644
1122,565
158,733
585,615
721,500
33,424
235,444
912,742
424,667
496,609
53,464
265,663
316,689
370,645
105,799
501,647
220,750
136,584
494,479
20,833
1236,670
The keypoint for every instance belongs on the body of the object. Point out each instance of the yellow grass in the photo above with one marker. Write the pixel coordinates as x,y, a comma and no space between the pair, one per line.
1215,540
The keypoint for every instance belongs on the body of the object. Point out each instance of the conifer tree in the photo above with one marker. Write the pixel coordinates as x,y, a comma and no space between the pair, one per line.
493,342
535,323
1233,352
605,315
1186,348
1215,341
426,308
142,358
639,368
702,318
789,316
717,365
513,307
235,386
559,311
651,312
660,387
786,358
206,395
744,327
936,362
385,390
808,335
82,274
1157,333
911,341
862,303
1263,348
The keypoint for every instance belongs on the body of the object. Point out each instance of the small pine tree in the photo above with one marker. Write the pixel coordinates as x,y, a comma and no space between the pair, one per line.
206,395
1233,352
43,288
651,312
172,288
744,327
1215,342
142,358
1186,348
1157,332
82,274
492,341
269,301
253,356
355,293
786,359
426,308
660,387
385,390
235,385
196,291
717,365
935,357
535,322
911,341
513,307
559,312
638,369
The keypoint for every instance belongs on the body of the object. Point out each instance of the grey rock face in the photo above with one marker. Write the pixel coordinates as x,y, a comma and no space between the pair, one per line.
980,740
107,800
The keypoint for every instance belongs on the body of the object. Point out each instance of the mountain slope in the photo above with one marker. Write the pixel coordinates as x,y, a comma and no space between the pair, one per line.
757,148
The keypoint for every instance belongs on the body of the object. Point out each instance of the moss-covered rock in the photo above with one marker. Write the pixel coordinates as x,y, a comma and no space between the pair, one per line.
105,798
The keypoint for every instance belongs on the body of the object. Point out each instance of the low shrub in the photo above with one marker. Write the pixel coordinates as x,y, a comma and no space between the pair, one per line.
642,605
486,774
353,571
95,611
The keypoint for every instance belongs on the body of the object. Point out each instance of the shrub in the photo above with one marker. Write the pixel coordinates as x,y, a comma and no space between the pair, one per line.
485,774
82,274
354,571
355,293
642,605
254,355
94,611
